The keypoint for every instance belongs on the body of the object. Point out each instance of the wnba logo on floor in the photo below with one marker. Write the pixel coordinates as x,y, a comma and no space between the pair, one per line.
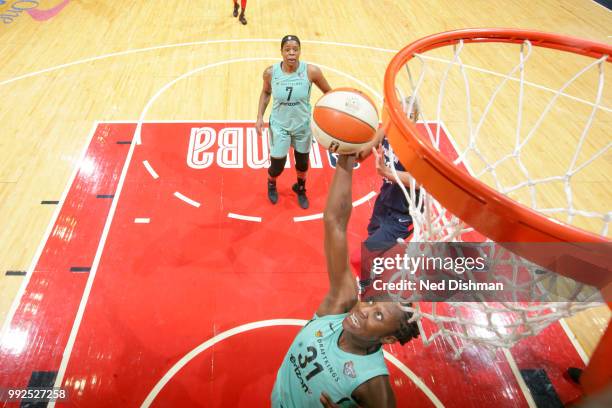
31,7
232,147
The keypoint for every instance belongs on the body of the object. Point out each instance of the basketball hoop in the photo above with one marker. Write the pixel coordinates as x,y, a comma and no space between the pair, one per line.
470,192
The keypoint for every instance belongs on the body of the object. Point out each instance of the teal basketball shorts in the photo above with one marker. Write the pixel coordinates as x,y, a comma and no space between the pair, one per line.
281,139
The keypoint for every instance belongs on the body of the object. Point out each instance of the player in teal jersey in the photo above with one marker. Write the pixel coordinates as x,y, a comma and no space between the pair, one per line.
337,359
289,82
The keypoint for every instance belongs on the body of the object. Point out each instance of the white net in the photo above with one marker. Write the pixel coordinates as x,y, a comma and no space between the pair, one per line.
532,299
539,139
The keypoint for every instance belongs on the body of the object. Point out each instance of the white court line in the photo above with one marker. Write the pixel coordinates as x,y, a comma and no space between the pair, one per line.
194,121
244,217
257,325
187,44
364,198
415,379
308,217
142,220
150,169
320,215
186,199
127,52
601,5
92,274
150,102
519,378
572,338
166,86
11,314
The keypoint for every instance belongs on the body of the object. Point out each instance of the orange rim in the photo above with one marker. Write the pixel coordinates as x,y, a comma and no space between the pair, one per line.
490,212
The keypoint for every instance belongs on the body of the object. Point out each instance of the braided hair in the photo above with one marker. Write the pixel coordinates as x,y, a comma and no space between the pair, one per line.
408,330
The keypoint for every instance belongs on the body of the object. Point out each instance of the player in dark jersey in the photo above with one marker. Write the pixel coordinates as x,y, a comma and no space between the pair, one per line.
242,18
390,218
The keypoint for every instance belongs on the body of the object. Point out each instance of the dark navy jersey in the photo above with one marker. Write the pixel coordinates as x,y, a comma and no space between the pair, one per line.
391,194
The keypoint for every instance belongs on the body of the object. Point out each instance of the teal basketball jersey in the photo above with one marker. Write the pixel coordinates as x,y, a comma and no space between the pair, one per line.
315,364
291,106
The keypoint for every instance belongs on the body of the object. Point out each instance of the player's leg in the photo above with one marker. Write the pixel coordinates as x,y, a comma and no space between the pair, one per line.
235,14
362,262
279,147
299,188
302,142
242,18
378,213
277,164
400,224
391,225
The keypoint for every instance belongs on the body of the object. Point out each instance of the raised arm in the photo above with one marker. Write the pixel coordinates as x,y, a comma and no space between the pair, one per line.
385,171
343,292
316,76
264,98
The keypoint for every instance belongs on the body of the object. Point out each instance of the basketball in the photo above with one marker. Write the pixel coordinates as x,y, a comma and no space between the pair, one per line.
344,119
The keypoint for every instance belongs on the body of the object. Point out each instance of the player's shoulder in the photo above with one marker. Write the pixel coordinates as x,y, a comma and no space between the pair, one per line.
375,392
323,326
313,69
268,74
322,317
314,72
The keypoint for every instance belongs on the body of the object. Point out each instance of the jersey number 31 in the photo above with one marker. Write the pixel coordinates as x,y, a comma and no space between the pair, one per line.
310,356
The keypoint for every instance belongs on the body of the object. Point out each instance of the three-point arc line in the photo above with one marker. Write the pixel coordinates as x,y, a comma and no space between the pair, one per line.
184,360
320,215
244,217
302,218
308,217
150,169
186,199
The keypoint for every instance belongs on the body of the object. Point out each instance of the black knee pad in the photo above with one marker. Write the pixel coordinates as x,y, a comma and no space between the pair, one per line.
301,161
277,165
